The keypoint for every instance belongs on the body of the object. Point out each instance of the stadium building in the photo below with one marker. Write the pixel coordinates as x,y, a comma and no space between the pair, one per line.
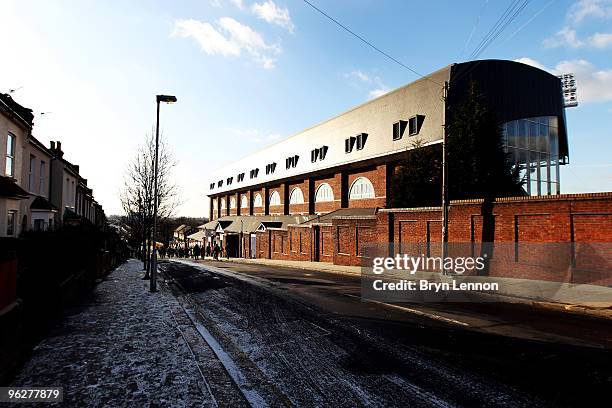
343,166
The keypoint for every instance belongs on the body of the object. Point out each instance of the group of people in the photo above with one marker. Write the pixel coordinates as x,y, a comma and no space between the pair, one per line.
213,250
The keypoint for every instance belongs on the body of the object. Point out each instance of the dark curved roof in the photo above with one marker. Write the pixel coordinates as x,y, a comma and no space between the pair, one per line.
515,91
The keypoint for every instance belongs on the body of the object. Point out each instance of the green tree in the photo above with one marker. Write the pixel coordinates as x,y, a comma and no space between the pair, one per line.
478,165
416,181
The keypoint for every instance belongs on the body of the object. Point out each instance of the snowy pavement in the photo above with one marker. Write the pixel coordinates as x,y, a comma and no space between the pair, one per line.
129,347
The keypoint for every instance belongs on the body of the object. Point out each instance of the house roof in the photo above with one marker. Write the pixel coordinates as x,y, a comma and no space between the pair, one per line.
10,189
342,212
250,223
198,236
41,203
22,114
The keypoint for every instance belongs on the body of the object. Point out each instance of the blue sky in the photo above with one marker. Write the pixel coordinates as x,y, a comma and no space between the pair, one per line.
248,73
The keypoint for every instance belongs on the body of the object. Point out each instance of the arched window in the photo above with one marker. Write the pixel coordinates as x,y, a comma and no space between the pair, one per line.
275,198
223,203
232,203
214,204
361,188
296,196
244,202
257,202
324,193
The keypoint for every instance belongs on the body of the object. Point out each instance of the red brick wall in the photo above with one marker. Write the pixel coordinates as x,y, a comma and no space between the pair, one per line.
378,177
335,183
299,208
259,210
326,244
584,219
349,235
277,209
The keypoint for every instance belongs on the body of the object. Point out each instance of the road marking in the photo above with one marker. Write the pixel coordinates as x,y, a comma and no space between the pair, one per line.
411,310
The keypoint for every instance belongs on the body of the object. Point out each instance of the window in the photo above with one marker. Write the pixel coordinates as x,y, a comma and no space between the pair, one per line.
31,174
244,202
275,198
219,183
41,174
10,155
240,177
358,141
414,124
349,144
10,223
398,129
214,204
232,203
296,196
361,188
254,173
318,153
291,161
270,168
257,201
212,186
230,180
324,193
223,203
361,140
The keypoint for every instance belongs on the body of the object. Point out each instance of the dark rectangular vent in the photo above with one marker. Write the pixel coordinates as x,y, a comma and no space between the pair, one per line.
291,161
398,129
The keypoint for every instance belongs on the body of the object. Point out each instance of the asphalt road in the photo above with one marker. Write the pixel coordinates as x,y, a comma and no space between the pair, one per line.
305,338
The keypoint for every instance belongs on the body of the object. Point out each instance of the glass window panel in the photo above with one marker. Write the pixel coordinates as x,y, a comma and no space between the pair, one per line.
522,134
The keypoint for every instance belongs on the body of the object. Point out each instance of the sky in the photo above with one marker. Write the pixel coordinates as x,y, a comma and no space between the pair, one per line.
248,73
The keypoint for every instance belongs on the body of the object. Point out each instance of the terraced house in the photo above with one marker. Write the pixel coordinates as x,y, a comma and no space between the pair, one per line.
39,189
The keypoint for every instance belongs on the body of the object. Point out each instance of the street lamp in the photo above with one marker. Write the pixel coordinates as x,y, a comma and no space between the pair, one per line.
159,99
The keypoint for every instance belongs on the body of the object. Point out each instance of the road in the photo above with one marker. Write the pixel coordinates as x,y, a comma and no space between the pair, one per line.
305,338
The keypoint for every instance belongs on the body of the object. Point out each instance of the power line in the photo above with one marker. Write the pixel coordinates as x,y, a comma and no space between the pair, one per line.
495,26
503,27
529,21
369,43
484,5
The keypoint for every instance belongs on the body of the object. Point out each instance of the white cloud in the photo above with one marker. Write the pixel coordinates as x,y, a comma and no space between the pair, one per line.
380,89
238,3
594,85
565,36
600,40
580,11
274,14
584,9
358,75
210,40
230,38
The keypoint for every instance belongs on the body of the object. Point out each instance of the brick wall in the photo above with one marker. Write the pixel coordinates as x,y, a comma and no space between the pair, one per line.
298,208
335,183
378,177
277,209
348,234
577,228
259,210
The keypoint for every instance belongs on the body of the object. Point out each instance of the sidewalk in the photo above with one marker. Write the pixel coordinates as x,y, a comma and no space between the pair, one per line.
592,300
124,348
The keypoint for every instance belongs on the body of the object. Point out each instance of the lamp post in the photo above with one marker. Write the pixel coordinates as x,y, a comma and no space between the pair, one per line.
159,99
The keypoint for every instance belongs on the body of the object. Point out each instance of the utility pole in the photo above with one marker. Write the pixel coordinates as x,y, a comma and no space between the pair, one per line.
444,180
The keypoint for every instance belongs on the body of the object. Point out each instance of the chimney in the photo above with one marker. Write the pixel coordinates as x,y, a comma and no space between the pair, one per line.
76,167
56,148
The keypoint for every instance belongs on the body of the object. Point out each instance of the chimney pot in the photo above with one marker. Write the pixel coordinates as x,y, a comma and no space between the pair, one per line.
52,145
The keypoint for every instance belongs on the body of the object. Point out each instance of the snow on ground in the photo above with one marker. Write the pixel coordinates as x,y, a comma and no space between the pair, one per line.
120,349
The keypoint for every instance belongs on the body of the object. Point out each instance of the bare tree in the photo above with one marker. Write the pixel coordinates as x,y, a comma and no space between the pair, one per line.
137,194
